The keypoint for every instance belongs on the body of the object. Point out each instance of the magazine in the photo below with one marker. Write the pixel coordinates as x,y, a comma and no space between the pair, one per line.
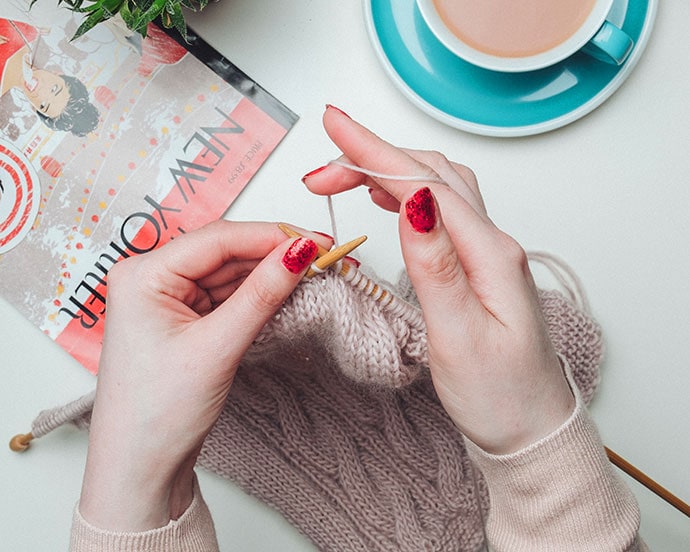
110,146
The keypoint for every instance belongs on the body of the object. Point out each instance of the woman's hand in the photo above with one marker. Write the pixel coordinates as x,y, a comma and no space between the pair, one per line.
492,363
179,320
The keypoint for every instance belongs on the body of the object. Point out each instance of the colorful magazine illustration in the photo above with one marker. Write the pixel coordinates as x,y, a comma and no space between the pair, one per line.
110,146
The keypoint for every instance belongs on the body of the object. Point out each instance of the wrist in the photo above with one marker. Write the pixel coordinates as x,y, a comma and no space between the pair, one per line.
541,421
526,412
133,496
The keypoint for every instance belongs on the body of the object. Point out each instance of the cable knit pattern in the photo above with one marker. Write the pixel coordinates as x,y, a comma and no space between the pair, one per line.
353,466
333,420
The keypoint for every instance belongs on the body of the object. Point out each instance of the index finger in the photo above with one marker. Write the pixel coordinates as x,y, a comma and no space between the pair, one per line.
202,252
365,149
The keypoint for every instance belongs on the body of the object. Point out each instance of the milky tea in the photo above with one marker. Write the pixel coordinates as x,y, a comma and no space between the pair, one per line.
513,28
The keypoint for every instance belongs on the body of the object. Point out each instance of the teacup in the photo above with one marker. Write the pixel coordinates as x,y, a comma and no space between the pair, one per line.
525,35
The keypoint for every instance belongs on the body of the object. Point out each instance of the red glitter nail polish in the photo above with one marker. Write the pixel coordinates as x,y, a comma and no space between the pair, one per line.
299,255
315,171
421,211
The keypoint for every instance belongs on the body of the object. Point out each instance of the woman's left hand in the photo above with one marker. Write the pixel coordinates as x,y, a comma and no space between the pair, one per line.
492,363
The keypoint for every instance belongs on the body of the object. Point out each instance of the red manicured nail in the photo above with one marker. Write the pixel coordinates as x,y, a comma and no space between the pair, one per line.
329,106
421,211
352,260
300,255
315,171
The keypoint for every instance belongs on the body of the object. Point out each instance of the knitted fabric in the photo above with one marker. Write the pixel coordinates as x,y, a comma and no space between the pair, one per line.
332,419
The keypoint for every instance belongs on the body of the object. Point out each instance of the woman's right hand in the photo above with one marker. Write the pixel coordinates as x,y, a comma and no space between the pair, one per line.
491,360
180,319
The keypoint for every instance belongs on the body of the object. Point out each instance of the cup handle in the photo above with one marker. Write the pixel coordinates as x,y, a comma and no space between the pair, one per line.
610,44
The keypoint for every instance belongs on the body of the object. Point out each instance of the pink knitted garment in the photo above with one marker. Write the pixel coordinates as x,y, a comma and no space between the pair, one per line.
332,419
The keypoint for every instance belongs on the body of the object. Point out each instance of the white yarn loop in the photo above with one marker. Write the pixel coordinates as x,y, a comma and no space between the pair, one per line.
564,275
354,276
384,176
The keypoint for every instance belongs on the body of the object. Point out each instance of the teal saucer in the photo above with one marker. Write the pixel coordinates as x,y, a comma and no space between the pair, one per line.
491,103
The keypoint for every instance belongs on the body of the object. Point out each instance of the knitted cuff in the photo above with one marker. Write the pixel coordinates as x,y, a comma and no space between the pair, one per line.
192,532
559,493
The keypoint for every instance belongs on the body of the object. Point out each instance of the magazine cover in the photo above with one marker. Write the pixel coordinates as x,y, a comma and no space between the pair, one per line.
111,145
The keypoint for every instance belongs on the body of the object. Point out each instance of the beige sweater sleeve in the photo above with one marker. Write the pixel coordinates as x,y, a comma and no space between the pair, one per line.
192,532
560,493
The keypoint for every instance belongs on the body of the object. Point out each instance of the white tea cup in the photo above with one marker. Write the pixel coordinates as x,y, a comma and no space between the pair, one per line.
525,35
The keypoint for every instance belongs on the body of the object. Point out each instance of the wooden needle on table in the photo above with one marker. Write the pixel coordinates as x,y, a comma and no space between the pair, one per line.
648,482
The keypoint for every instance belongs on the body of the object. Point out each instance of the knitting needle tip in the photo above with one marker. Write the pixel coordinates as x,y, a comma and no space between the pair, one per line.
21,442
334,255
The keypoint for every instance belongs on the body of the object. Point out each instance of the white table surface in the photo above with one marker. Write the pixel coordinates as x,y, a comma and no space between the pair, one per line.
610,194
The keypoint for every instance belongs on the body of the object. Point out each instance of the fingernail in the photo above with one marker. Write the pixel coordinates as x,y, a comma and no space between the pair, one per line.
329,106
315,171
299,255
421,211
324,235
352,260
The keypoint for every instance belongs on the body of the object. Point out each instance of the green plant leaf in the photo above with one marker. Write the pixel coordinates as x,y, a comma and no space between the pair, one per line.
155,9
137,14
72,3
176,18
194,5
89,23
127,16
143,5
142,17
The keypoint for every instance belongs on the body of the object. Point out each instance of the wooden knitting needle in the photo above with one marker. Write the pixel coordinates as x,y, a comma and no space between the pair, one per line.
324,257
334,255
290,233
365,284
648,482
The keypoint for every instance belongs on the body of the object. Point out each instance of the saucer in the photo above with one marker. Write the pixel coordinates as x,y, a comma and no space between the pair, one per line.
491,103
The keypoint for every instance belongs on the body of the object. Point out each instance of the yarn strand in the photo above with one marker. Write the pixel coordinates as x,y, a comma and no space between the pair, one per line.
384,176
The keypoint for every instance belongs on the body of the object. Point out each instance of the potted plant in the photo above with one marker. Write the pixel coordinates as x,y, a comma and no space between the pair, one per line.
136,14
